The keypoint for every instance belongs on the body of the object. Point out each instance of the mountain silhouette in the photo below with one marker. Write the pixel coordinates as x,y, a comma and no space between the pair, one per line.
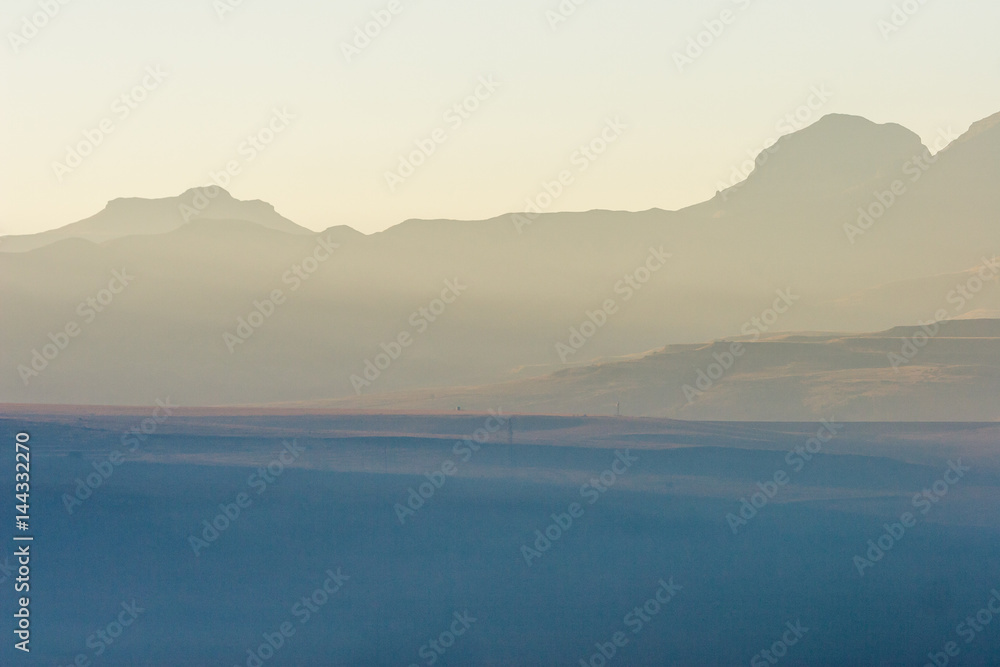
526,288
136,216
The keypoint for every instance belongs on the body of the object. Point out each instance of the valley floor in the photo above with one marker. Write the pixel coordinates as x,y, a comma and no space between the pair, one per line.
236,538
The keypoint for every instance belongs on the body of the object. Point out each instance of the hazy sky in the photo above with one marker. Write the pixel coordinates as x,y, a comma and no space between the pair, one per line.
225,76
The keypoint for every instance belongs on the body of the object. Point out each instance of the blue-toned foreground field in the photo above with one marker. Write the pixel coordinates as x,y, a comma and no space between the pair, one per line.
412,543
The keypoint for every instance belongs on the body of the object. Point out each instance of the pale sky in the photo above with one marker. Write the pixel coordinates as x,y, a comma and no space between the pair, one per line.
684,131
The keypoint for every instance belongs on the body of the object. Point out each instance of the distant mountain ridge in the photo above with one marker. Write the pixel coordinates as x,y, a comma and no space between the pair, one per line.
525,290
948,372
836,154
137,216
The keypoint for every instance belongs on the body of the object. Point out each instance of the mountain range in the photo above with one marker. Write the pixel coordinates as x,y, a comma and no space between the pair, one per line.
860,226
